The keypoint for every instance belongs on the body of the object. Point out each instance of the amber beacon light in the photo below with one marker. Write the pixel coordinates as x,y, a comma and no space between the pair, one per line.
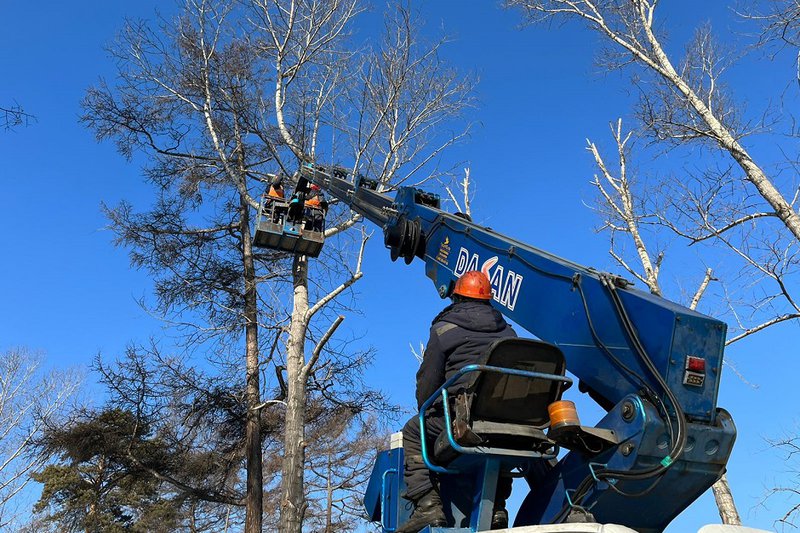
563,414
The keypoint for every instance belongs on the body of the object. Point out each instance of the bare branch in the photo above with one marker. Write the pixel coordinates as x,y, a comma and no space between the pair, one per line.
417,352
763,325
630,27
622,212
701,289
321,345
357,275
13,116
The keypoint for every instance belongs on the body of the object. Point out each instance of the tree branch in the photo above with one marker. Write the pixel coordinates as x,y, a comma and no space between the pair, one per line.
320,345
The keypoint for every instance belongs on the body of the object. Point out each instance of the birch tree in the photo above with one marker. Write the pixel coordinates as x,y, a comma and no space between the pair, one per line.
219,100
404,93
732,200
30,398
689,103
465,189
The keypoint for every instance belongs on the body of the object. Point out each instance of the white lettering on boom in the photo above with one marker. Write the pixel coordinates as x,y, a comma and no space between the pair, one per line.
505,289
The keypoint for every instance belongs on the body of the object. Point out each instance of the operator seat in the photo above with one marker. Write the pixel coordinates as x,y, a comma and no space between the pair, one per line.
506,411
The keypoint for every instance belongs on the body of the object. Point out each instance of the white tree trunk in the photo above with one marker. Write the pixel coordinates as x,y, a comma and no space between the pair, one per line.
725,503
293,497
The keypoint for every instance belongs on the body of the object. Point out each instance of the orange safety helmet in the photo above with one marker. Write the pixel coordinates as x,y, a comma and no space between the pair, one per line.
474,284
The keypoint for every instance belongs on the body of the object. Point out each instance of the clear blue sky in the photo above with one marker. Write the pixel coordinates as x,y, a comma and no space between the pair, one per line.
69,292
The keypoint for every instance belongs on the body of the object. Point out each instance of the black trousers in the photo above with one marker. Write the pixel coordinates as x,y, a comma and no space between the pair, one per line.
419,480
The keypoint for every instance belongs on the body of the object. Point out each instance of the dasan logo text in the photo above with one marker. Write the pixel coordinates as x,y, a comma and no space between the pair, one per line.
505,285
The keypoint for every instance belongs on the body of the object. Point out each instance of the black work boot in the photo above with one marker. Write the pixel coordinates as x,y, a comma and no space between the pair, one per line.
499,513
500,519
428,511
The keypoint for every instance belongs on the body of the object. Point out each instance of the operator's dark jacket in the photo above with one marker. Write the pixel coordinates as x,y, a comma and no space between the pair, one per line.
460,335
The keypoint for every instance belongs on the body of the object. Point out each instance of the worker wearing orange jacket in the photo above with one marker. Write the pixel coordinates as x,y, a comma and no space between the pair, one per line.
317,208
276,188
276,192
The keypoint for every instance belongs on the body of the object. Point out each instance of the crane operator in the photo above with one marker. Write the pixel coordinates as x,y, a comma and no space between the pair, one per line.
459,336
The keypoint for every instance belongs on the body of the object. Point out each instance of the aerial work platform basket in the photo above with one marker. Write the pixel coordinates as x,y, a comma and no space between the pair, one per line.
275,229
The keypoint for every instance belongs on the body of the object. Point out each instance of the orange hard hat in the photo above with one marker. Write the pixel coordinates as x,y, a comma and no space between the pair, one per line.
474,284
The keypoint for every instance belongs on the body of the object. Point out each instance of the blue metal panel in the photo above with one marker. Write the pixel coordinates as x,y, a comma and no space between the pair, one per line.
557,300
695,336
644,443
483,504
382,499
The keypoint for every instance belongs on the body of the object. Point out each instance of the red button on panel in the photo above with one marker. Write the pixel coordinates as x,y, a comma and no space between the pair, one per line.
695,364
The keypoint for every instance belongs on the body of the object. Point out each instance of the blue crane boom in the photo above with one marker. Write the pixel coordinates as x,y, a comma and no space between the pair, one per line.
654,365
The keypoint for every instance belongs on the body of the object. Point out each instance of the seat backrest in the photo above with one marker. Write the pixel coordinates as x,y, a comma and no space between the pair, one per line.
512,399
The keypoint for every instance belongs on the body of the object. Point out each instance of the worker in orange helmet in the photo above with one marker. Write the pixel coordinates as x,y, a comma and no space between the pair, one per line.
459,336
275,197
316,209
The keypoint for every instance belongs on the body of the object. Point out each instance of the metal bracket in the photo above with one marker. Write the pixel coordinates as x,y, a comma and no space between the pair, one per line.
610,481
384,490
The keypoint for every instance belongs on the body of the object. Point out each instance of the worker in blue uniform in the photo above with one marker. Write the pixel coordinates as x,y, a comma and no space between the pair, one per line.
459,336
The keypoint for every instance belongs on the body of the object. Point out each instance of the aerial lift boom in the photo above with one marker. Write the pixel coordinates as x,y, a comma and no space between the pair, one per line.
652,364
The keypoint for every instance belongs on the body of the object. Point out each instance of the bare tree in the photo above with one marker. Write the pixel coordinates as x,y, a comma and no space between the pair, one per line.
340,462
789,447
30,398
690,103
186,98
404,94
733,202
